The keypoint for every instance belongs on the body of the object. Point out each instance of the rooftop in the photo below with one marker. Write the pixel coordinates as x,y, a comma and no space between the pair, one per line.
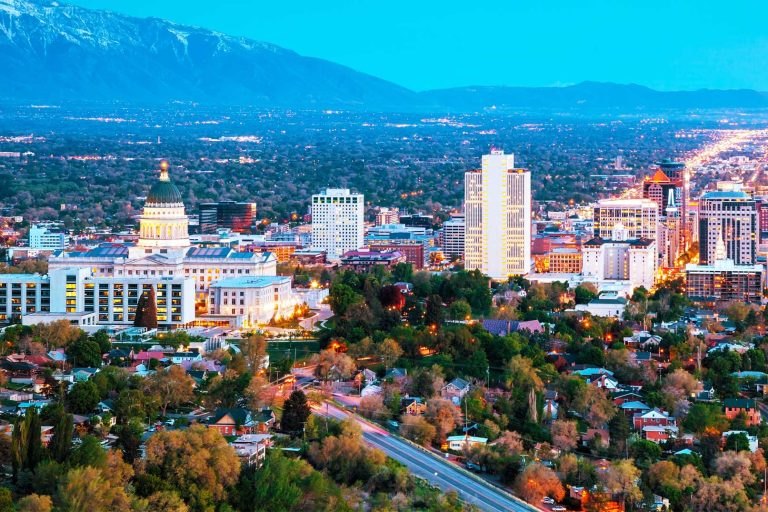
250,282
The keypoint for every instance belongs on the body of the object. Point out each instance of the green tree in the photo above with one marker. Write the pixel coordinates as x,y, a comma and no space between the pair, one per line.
341,297
296,410
737,442
618,429
434,311
645,452
61,443
6,500
459,310
102,338
129,439
83,397
84,353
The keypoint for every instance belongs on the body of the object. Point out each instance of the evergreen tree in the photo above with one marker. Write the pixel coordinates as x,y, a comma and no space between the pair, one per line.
34,439
146,310
61,443
618,428
296,410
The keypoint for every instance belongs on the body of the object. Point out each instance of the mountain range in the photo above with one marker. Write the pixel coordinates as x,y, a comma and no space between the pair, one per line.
55,52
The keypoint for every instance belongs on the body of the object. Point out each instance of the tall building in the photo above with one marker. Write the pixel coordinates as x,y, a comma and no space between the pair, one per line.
620,258
729,214
640,217
497,208
669,241
337,222
678,173
417,220
452,237
387,216
723,280
657,189
47,237
237,217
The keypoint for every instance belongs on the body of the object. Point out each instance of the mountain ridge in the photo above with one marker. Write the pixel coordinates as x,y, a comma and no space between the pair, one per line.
62,52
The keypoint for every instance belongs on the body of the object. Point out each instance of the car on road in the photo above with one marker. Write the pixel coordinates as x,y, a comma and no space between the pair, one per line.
559,508
547,500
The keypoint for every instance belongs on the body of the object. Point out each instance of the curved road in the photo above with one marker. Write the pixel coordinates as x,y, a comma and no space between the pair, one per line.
432,468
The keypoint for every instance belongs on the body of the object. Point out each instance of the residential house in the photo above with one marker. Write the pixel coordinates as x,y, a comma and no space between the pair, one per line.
264,420
507,327
621,396
456,389
458,443
653,418
414,406
252,448
659,433
233,421
180,357
396,374
84,374
605,382
735,406
633,408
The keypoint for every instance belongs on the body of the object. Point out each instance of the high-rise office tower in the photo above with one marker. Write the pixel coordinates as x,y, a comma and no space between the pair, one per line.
452,237
729,214
497,209
639,217
337,221
238,217
677,173
669,232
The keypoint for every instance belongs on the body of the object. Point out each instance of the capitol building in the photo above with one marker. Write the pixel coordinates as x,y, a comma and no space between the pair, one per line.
193,285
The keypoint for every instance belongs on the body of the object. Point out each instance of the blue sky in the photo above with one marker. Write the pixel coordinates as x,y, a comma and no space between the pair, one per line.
426,44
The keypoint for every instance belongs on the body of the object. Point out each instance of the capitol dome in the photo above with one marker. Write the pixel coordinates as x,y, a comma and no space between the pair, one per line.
163,192
163,223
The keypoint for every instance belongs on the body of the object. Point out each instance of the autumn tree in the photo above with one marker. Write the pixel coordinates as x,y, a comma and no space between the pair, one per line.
35,503
417,429
333,365
716,495
85,489
620,478
372,406
736,467
565,435
511,443
197,462
389,351
593,404
443,415
260,393
296,410
254,350
345,457
172,386
537,481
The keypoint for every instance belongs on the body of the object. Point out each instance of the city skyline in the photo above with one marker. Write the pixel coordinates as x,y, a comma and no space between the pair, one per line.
429,46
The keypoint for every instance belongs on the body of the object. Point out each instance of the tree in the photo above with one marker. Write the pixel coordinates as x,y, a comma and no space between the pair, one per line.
254,350
735,467
296,410
146,310
434,311
618,430
645,452
443,415
372,406
333,365
56,334
61,443
345,457
737,442
621,478
26,442
585,293
522,374
6,500
511,443
165,501
85,489
83,397
459,310
35,503
129,439
594,406
341,297
417,429
565,435
172,386
390,351
259,393
702,417
715,495
196,462
536,482
84,353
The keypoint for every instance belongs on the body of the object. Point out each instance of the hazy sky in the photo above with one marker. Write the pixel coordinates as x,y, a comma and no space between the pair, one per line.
425,44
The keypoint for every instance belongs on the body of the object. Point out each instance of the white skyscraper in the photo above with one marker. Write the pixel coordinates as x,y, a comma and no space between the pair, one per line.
337,221
497,207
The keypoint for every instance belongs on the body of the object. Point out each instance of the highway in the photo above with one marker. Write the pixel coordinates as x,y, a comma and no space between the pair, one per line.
430,467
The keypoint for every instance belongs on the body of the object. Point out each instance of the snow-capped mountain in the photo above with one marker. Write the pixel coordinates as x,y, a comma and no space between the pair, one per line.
54,51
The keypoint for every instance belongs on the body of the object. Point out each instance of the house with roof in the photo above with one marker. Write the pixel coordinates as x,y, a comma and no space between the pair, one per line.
146,356
180,357
659,433
83,374
747,406
640,358
396,374
610,306
231,421
371,390
414,406
604,382
621,396
634,407
459,443
592,372
456,389
507,327
252,448
264,420
653,418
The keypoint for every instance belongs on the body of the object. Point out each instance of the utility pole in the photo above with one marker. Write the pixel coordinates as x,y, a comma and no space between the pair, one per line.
488,376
